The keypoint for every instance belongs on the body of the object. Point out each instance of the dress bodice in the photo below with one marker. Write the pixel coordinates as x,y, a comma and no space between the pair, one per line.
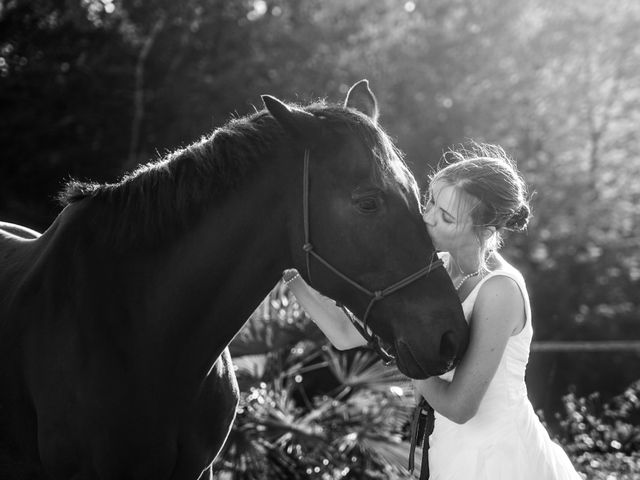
505,439
516,354
507,388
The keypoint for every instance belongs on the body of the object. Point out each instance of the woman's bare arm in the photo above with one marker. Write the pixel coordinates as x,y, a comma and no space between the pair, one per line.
323,311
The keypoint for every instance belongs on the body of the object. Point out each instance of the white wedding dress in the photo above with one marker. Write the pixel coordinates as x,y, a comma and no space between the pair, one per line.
505,439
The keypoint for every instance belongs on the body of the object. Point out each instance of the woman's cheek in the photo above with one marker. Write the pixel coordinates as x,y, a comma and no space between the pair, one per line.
446,240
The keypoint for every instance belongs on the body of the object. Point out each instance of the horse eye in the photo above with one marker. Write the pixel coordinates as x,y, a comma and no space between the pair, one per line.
368,204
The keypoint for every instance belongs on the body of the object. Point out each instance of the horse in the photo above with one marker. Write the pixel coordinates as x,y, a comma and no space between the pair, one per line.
115,322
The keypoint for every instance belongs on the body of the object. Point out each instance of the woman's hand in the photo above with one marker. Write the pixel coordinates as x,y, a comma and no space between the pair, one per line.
324,312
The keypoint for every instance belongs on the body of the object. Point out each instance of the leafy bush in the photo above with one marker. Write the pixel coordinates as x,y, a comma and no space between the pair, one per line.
603,438
351,422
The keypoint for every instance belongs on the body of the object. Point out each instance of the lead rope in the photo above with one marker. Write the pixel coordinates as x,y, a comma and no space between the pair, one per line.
422,423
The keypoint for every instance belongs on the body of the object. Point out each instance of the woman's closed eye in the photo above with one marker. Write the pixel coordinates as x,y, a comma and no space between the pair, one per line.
446,217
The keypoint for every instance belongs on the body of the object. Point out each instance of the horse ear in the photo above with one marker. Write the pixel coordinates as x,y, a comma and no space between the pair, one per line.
298,122
361,98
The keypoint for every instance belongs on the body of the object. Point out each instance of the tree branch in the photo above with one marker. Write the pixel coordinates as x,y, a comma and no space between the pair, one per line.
138,99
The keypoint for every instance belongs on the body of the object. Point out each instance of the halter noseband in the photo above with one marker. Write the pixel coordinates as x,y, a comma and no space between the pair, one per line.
372,339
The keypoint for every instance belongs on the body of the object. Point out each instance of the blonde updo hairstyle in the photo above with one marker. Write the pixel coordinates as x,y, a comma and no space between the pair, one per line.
498,193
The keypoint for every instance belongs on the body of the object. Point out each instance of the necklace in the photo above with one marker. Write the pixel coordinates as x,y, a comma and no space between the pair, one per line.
467,277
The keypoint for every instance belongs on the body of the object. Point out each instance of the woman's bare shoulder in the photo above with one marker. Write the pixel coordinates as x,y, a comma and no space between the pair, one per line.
501,299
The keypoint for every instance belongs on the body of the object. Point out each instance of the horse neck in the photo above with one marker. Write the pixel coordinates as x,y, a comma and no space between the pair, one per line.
215,276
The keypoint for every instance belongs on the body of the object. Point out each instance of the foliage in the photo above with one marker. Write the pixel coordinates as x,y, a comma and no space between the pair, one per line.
604,437
353,425
612,466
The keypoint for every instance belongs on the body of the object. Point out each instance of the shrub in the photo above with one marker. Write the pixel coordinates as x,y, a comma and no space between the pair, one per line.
603,438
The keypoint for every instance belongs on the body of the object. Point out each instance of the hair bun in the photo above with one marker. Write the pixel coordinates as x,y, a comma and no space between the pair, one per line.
519,219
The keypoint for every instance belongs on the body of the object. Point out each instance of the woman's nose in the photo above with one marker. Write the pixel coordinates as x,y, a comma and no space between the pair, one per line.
427,216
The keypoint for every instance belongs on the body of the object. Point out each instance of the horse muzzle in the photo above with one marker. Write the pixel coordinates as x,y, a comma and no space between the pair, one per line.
420,367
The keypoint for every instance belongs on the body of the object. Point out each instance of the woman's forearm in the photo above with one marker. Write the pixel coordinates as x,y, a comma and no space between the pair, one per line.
440,395
324,313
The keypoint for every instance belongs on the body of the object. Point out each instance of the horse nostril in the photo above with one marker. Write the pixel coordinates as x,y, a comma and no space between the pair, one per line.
448,346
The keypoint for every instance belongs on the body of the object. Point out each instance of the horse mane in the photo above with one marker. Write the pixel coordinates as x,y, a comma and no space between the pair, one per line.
163,198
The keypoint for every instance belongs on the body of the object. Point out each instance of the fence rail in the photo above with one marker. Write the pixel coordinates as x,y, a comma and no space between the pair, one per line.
593,346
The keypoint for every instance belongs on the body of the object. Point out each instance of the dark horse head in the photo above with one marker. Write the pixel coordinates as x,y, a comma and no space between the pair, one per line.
363,219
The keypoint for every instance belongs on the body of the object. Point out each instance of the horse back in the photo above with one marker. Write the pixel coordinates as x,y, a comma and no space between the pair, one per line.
16,248
19,251
12,230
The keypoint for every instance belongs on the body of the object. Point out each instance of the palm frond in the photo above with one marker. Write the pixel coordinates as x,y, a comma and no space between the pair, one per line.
357,430
394,456
363,369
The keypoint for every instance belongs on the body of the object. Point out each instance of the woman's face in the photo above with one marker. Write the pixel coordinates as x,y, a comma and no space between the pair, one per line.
448,218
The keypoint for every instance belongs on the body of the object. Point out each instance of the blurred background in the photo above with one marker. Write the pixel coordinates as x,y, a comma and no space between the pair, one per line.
91,88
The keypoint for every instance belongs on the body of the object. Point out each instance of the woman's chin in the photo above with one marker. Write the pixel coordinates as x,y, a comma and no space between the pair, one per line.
439,247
